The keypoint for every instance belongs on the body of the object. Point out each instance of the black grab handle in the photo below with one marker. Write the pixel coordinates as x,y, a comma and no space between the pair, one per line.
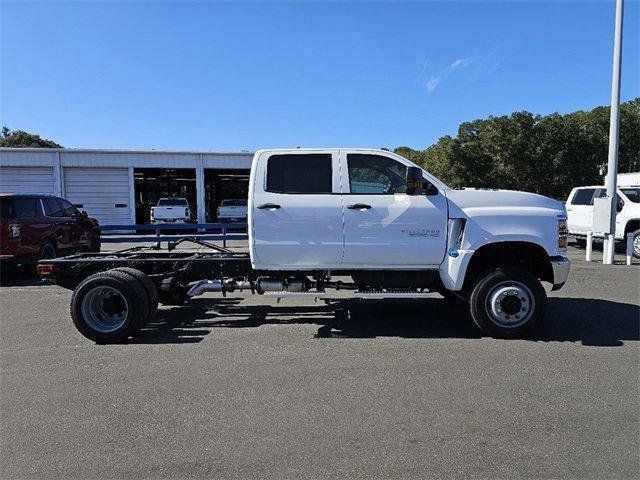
269,206
359,206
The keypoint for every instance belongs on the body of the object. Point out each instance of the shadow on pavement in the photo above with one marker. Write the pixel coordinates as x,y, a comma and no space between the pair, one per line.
18,277
592,322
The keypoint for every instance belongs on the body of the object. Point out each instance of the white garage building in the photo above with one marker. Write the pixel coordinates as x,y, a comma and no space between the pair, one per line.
118,187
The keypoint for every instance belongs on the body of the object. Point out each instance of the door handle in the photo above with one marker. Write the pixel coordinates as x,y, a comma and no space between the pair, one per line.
359,206
269,206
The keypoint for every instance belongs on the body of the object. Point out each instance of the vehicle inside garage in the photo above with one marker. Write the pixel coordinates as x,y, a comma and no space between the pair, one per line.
223,184
151,184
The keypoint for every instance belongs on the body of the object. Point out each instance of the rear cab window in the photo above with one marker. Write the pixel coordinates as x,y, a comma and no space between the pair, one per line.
173,202
309,173
583,196
18,207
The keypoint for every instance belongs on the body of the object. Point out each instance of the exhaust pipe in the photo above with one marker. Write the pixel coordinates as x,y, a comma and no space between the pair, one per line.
229,285
205,286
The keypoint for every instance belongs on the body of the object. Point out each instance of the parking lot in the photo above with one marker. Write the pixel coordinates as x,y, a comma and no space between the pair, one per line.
242,388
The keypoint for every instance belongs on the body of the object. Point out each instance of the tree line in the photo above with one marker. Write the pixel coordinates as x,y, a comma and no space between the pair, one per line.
546,154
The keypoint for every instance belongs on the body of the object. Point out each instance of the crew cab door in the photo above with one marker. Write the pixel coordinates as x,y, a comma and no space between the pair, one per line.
295,211
384,227
580,209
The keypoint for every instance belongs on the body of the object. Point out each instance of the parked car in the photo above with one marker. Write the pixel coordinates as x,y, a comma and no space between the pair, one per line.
34,227
171,210
231,210
580,213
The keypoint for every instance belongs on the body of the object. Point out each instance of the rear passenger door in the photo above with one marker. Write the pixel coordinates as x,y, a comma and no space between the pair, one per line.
296,211
580,210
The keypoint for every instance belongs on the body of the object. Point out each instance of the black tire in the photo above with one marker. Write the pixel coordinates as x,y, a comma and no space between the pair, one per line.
149,287
128,300
47,250
582,242
636,244
501,299
95,244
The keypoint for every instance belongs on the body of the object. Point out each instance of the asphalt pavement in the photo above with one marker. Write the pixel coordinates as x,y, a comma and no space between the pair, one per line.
244,388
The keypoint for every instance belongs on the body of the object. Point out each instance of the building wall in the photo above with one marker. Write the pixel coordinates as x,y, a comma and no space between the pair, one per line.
96,178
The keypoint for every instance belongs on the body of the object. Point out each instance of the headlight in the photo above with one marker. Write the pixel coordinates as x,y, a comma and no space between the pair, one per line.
563,234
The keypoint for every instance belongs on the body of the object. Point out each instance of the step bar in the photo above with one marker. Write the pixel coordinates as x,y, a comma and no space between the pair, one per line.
364,294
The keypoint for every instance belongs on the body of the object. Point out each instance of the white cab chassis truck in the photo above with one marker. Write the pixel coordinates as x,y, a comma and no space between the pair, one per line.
367,222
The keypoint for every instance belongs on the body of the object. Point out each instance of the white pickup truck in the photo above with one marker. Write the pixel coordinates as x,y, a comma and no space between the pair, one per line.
171,210
232,210
365,221
580,213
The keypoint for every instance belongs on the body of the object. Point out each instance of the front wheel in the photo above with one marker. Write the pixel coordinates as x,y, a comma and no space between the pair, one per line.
507,302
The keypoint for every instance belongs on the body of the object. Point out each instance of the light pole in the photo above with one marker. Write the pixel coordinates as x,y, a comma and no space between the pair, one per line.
614,123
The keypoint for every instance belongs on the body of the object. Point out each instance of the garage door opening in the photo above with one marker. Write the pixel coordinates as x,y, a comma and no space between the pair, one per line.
151,184
222,185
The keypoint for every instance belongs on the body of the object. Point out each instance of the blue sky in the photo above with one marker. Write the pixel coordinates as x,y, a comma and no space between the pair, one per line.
232,76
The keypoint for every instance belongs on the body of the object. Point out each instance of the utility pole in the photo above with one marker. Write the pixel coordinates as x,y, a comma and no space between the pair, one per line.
614,123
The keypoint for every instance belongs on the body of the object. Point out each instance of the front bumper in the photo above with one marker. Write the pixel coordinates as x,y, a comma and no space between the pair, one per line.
561,266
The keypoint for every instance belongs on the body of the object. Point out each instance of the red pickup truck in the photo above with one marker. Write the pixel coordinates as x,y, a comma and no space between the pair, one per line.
33,227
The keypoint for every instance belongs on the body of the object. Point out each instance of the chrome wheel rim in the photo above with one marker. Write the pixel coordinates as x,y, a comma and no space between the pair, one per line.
510,304
104,309
636,245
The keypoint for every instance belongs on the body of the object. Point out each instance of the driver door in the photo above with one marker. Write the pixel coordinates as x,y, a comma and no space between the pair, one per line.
383,226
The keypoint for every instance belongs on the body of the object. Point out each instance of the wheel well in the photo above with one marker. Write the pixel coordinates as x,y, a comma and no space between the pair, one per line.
528,256
631,226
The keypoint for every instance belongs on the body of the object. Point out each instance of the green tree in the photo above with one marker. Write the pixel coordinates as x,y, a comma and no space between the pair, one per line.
547,154
22,139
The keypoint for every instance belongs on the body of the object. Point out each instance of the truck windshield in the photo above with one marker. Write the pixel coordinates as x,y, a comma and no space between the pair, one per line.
633,194
172,202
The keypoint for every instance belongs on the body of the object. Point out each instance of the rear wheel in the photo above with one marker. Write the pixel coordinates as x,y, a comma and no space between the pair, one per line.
507,302
109,307
149,288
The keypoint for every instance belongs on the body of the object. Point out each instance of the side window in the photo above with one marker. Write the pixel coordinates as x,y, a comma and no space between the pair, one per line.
52,207
375,174
24,207
68,210
308,173
583,196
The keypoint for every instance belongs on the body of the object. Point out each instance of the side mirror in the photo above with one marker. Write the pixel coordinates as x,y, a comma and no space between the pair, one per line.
84,214
417,185
415,182
619,204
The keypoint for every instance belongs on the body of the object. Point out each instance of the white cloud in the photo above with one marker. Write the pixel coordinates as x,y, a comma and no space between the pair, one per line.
436,80
432,84
460,63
